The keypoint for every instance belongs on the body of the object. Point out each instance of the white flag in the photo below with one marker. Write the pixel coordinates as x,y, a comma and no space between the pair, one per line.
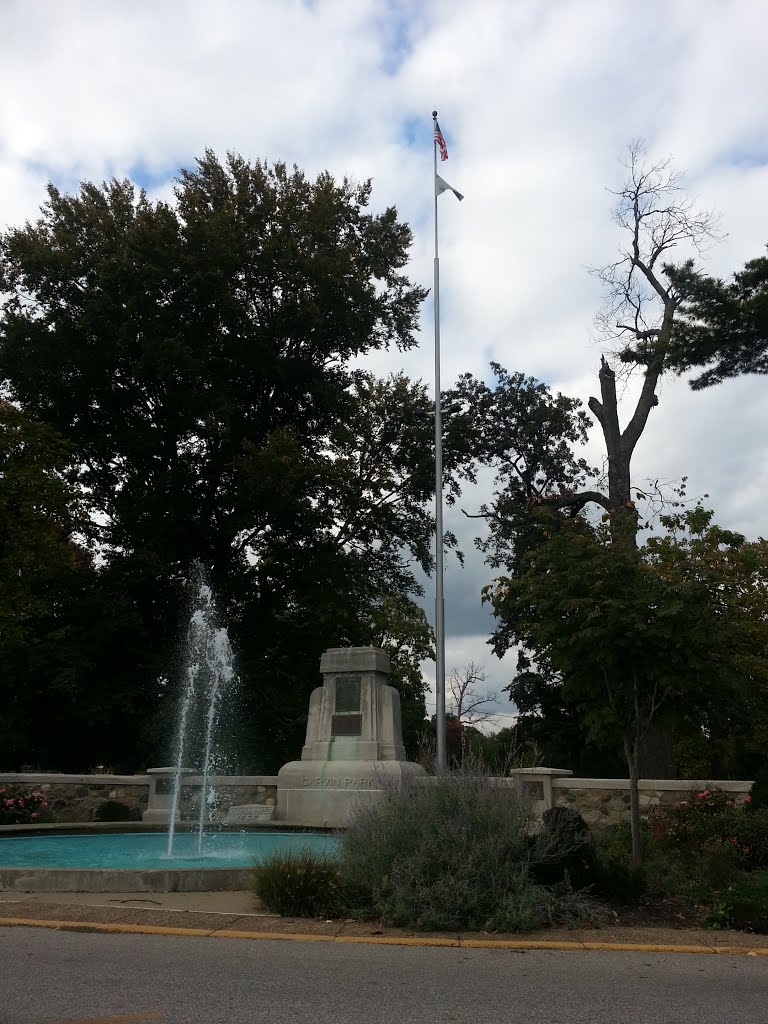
442,185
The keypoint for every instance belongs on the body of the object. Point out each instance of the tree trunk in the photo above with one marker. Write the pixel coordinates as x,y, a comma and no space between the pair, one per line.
631,751
654,760
655,751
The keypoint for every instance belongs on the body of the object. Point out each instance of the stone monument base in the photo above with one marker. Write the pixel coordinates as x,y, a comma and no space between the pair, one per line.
325,794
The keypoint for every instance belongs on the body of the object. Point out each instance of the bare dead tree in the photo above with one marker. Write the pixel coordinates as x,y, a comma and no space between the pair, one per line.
470,697
656,215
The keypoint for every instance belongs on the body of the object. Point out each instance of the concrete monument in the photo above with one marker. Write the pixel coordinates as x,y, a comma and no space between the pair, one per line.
354,744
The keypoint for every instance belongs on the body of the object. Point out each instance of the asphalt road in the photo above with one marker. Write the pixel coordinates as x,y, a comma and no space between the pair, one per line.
48,976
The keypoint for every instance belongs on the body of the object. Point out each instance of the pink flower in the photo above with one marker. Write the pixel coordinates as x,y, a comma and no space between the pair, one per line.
729,803
747,799
35,815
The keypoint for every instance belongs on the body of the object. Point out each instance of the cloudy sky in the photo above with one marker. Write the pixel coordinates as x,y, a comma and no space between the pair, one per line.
537,99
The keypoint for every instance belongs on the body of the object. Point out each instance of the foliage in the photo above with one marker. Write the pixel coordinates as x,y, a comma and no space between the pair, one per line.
627,634
746,903
299,884
196,358
722,328
112,810
566,820
454,852
20,807
759,791
712,817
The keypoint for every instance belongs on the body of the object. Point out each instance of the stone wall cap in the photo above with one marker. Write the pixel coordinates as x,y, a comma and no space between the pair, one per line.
540,771
671,785
354,659
67,779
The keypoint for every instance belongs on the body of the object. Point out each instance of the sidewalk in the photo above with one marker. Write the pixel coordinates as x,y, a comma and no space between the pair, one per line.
233,914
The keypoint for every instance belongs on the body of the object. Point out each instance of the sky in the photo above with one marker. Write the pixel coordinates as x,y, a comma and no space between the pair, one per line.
537,100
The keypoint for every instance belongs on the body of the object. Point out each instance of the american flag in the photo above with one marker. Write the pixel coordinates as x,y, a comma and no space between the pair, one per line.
440,141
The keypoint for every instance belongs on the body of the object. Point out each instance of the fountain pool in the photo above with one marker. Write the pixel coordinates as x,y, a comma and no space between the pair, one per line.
139,862
149,850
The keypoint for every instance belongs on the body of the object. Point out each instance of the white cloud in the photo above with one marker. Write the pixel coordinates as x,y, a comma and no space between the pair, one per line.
536,100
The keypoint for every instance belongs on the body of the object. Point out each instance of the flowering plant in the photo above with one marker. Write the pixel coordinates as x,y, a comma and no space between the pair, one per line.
710,816
21,807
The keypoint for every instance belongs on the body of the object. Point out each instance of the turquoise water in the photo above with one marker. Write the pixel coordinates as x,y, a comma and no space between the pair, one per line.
141,850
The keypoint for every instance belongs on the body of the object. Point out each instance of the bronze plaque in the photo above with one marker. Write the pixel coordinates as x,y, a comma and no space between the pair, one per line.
346,725
347,694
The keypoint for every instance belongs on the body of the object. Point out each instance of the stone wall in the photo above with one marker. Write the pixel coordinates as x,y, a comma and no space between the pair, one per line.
604,802
226,792
75,798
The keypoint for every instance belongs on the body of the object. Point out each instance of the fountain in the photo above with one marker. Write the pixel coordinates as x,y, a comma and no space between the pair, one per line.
353,754
209,674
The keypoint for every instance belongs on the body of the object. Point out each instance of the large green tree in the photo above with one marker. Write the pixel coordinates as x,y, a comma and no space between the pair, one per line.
67,632
633,636
198,358
722,326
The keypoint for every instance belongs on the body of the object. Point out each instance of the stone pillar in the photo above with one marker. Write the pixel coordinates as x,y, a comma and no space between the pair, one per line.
537,784
354,746
158,810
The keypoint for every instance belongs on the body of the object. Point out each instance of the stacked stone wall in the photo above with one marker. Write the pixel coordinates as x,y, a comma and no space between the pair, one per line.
76,798
603,802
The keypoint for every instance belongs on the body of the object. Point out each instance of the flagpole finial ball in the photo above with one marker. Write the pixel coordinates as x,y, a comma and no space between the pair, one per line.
434,113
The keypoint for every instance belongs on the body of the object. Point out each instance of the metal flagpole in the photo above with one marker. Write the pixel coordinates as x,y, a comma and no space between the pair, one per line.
439,602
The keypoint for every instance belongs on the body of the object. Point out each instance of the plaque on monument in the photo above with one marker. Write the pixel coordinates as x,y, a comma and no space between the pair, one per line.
347,695
346,725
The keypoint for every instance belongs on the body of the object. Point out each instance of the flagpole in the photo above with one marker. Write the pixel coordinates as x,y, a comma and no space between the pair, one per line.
439,600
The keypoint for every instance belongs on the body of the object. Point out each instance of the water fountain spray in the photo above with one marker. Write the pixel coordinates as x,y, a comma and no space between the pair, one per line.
209,672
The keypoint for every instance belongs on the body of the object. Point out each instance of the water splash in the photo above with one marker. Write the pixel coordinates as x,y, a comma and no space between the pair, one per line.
209,673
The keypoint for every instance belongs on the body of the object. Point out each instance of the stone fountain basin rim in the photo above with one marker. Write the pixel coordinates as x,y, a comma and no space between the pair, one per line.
109,827
24,879
123,879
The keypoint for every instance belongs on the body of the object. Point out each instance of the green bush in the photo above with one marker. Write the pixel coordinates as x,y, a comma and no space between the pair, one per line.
718,863
613,875
758,794
455,852
299,884
746,902
568,857
112,810
711,816
20,807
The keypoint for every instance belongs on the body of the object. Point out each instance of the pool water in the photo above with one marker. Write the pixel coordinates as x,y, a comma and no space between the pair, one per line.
147,850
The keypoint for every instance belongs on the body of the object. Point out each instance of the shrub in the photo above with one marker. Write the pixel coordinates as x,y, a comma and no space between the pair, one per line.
20,807
614,877
112,810
299,884
746,902
565,820
567,855
711,816
718,862
454,852
759,791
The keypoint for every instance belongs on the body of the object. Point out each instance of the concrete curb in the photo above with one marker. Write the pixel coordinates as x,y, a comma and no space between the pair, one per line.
521,944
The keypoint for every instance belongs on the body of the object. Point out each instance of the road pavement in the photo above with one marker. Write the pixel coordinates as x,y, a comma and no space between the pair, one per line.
49,977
